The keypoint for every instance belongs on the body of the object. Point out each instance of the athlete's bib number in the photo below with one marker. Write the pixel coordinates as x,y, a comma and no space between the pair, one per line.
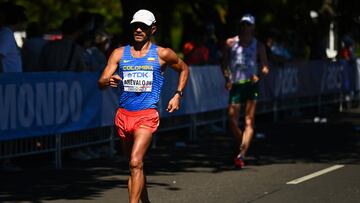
137,81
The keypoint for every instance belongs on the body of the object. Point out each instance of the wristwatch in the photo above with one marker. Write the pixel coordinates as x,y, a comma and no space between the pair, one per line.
179,92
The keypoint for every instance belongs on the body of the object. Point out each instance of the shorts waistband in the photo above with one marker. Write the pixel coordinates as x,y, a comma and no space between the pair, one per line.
137,113
242,81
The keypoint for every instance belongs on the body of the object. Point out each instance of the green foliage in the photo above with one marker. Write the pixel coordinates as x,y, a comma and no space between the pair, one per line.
52,12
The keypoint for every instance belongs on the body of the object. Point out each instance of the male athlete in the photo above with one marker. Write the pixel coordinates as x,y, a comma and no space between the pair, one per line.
240,71
139,71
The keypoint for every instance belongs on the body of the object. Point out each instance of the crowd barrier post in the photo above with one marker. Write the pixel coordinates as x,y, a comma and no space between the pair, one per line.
58,151
341,105
224,120
275,111
193,128
111,140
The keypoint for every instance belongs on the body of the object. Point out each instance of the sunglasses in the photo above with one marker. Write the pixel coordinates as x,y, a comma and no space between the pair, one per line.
142,26
245,23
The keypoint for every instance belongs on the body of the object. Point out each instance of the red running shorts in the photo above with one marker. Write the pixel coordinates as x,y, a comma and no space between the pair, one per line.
127,122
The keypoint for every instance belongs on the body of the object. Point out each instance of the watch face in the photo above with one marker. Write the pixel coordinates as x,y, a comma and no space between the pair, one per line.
180,93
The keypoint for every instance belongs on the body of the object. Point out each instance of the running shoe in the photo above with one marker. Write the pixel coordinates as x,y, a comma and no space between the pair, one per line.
239,162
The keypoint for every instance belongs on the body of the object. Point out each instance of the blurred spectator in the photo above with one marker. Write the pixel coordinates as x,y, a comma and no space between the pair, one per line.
347,50
188,47
101,47
64,54
213,45
99,22
102,37
195,51
85,21
93,39
198,55
347,56
32,46
114,42
86,40
280,50
275,53
12,18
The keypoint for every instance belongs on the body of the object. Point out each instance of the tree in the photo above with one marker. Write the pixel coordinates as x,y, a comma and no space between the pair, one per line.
51,13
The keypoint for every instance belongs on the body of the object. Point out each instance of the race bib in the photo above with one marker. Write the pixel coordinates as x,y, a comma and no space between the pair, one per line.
137,81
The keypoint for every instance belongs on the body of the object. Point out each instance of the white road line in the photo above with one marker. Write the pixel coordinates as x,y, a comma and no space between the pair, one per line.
313,175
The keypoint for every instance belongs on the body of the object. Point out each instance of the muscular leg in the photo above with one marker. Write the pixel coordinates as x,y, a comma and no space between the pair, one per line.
137,187
249,126
233,113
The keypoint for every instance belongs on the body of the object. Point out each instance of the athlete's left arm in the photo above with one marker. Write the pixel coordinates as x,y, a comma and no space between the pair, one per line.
168,57
263,58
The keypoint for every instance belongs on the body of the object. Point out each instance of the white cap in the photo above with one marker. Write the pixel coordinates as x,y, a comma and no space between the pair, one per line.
144,16
248,18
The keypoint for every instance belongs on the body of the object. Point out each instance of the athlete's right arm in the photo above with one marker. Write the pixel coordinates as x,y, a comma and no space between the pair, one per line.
108,78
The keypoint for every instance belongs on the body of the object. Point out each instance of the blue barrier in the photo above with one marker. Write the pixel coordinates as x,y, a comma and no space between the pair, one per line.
34,104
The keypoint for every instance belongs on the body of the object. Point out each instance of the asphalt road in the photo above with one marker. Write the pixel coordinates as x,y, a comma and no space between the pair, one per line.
202,171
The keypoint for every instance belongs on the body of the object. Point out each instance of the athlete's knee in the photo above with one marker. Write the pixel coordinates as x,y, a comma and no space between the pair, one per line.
135,164
249,121
232,110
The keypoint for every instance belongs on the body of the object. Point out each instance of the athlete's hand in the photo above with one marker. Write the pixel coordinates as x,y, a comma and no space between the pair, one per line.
174,104
254,78
265,70
114,81
228,85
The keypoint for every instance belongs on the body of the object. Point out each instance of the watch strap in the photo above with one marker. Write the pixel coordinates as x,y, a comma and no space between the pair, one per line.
180,93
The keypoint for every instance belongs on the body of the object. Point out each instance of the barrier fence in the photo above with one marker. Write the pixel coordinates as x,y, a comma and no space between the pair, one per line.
56,111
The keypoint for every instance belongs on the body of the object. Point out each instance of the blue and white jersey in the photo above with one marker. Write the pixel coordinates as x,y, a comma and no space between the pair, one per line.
242,62
142,80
